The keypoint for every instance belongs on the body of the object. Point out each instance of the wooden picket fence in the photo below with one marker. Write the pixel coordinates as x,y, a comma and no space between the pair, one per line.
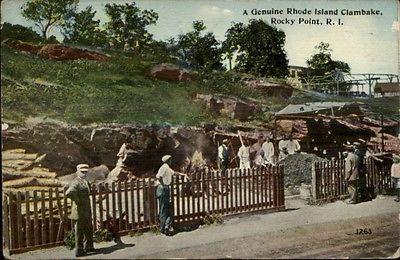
37,219
329,183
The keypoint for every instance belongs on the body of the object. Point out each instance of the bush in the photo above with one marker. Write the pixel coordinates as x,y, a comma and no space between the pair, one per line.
70,240
21,33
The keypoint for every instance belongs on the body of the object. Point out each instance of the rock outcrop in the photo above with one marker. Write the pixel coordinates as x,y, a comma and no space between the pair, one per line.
61,52
170,72
229,106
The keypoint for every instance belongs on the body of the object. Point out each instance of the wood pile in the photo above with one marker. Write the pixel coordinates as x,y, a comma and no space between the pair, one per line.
23,171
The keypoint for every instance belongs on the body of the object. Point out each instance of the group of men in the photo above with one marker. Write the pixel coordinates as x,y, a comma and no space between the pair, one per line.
263,149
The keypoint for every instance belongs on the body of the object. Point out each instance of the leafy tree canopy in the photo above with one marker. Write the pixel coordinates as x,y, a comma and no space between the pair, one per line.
259,48
128,24
48,13
199,50
321,63
82,28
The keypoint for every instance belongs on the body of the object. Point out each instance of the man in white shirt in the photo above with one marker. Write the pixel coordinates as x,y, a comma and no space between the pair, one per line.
268,150
244,157
292,146
163,191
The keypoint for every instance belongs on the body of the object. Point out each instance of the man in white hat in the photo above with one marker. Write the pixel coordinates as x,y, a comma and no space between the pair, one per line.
163,191
78,191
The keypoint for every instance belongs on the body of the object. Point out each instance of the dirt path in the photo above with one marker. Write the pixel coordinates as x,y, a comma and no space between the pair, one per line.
333,240
300,231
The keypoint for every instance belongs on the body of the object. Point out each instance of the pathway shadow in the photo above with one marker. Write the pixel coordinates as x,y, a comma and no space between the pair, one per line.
108,250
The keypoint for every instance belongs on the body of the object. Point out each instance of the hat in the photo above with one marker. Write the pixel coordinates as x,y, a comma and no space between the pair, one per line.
82,167
166,157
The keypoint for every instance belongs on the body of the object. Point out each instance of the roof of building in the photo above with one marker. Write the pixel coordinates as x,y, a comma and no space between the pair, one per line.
316,108
387,87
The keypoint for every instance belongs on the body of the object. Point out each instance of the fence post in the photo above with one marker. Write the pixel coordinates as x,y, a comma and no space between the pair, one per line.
6,223
313,182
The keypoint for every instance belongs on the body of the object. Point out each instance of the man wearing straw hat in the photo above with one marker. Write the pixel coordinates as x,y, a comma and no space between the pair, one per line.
78,191
163,191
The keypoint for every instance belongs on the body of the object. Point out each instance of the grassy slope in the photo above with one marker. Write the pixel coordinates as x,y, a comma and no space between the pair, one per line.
121,91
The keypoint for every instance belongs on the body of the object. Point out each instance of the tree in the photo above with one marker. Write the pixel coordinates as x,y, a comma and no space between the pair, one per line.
322,64
48,13
82,28
200,51
128,24
259,48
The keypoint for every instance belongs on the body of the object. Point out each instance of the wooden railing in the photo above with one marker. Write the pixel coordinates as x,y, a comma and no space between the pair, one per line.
37,219
329,183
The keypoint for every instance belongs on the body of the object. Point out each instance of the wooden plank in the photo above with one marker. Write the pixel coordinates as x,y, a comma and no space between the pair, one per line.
65,209
51,218
138,203
198,194
240,177
262,188
208,191
13,221
177,198
28,219
183,200
231,205
126,204
145,204
219,188
203,191
107,193
119,203
253,188
6,221
43,213
132,195
19,220
94,208
101,214
36,218
114,206
193,198
235,183
223,192
258,183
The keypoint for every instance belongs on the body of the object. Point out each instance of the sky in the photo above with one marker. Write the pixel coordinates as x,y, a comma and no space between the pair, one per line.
370,44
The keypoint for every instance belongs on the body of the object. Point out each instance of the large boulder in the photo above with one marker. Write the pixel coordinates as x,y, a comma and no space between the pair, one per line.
170,72
61,52
23,46
229,106
270,89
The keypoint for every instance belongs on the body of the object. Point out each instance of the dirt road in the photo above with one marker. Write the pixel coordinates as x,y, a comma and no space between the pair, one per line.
332,240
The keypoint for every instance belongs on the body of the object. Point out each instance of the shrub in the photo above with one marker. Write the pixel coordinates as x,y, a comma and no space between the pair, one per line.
21,33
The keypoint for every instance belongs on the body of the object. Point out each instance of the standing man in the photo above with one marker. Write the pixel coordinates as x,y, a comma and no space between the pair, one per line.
78,191
395,173
268,150
163,192
351,174
244,157
292,145
223,156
